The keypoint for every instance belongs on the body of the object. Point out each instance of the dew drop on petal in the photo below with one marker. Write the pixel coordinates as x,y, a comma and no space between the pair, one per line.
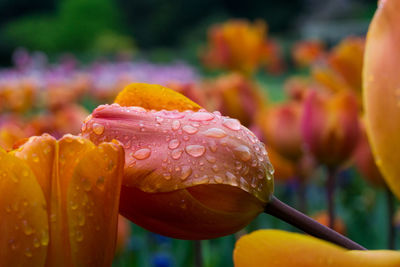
211,159
175,125
190,129
174,143
218,179
167,176
98,128
232,124
201,116
186,172
176,153
143,153
215,133
195,150
242,152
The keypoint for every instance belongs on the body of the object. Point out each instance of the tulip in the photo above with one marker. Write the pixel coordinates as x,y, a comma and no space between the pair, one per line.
188,174
282,128
330,127
307,52
59,202
381,83
237,97
276,248
238,45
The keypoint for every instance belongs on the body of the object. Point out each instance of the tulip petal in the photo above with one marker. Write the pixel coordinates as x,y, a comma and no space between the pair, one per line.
93,200
64,168
24,231
276,248
382,90
153,96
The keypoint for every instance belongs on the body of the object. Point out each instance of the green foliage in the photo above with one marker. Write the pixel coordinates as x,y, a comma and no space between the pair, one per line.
79,25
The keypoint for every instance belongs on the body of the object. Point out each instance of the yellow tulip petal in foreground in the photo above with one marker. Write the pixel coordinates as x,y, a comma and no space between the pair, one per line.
381,80
59,202
276,248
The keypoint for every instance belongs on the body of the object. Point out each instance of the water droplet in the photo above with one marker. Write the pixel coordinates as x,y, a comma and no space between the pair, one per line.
215,132
98,128
35,158
215,168
231,177
44,239
143,153
218,179
86,184
28,253
13,245
175,125
73,205
159,119
36,242
211,159
201,116
174,143
195,150
190,129
78,236
81,219
186,172
177,153
186,138
100,182
167,175
232,124
202,180
28,230
213,146
242,152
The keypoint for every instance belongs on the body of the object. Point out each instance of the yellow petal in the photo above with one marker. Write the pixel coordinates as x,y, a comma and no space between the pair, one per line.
24,232
381,81
153,96
276,248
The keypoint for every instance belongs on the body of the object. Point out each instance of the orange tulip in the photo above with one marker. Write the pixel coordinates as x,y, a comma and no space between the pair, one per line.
236,97
282,128
382,91
307,52
342,71
330,127
188,174
59,202
237,45
276,248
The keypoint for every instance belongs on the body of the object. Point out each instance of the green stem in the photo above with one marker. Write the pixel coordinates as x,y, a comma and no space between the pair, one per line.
198,253
391,226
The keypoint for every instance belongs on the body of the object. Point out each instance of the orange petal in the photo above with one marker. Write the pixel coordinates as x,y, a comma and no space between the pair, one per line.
63,168
92,205
382,90
24,231
153,96
276,248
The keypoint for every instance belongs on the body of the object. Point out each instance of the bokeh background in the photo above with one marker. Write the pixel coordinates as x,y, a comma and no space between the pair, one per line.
60,59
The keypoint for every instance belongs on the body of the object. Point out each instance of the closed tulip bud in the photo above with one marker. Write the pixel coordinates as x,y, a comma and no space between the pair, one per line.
189,174
282,128
330,127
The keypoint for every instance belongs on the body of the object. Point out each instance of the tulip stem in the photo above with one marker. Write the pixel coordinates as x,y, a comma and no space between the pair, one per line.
391,226
198,253
297,219
330,194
